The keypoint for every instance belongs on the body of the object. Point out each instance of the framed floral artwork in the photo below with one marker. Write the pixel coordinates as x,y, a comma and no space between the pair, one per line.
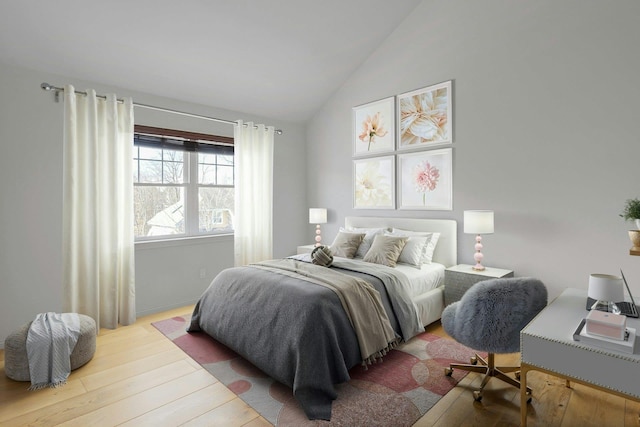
424,117
374,127
374,183
426,180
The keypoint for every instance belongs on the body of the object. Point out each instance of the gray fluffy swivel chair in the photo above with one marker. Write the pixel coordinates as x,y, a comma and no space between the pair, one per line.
489,318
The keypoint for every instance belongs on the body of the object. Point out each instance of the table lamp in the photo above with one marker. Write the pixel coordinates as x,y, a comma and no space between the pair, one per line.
606,290
318,216
478,223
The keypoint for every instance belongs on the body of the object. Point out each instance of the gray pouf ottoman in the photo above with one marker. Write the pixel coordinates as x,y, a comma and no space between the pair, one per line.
16,364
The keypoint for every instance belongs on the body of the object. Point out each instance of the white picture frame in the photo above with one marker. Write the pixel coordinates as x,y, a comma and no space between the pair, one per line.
425,180
425,117
374,127
374,183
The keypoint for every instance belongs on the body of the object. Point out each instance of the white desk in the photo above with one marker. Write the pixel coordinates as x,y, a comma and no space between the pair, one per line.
547,345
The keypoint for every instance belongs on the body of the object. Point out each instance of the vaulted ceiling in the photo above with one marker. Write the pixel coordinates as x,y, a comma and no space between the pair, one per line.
275,58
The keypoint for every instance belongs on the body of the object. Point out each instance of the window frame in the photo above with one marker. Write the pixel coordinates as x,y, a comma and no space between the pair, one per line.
191,144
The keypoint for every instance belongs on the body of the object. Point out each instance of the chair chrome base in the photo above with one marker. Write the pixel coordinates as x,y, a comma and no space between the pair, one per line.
489,369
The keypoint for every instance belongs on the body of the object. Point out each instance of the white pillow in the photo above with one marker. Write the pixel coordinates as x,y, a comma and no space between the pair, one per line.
385,249
412,252
370,234
429,248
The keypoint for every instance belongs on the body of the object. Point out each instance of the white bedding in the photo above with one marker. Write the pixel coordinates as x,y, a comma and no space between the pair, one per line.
429,277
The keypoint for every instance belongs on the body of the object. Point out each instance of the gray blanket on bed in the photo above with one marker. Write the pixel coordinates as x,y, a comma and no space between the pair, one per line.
295,331
360,301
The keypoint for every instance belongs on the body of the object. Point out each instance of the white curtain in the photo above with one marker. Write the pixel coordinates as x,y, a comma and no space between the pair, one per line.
253,224
98,241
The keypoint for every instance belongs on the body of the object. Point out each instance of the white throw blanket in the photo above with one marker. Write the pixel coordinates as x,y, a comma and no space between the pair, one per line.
50,341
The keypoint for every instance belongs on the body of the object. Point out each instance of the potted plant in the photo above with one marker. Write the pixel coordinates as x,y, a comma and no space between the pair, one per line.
632,211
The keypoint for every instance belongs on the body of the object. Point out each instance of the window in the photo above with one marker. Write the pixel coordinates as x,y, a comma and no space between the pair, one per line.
183,183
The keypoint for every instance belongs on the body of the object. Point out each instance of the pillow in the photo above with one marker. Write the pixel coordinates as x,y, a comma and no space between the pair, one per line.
370,233
385,250
427,255
412,252
429,247
346,244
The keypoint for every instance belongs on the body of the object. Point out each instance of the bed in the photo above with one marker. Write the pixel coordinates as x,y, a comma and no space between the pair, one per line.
306,325
430,303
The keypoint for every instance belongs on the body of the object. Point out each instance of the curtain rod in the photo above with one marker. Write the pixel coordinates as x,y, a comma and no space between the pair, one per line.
57,90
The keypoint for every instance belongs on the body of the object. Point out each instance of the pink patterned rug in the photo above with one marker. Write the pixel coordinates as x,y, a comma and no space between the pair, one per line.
396,392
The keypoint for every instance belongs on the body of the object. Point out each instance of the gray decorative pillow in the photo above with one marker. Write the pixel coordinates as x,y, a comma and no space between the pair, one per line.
386,250
346,244
321,255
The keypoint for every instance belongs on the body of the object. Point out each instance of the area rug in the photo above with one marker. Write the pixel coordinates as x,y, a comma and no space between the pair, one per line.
396,392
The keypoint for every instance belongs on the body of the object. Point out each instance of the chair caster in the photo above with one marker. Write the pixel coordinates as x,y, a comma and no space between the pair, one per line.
477,395
474,360
529,397
448,371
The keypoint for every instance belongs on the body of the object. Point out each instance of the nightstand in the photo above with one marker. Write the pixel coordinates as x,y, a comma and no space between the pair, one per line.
306,249
459,278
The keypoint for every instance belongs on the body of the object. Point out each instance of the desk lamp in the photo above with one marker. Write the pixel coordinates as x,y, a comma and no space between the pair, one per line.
606,290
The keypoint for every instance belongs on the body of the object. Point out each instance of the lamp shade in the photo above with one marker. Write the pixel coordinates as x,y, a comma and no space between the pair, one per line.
478,222
605,287
317,216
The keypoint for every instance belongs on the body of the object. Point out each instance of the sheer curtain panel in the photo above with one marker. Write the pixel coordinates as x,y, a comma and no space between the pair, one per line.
98,241
253,225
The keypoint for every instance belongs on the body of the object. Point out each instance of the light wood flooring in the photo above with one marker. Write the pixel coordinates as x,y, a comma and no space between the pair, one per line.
139,378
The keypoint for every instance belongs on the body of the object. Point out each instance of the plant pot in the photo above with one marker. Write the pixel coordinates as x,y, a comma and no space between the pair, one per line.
634,235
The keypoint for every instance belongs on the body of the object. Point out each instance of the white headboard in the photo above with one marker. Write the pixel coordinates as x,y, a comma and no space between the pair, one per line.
447,248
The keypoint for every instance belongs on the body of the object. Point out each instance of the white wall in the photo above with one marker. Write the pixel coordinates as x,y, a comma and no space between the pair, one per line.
546,134
167,275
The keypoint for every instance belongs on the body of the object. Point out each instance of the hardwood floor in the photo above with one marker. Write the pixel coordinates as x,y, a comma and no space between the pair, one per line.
139,378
